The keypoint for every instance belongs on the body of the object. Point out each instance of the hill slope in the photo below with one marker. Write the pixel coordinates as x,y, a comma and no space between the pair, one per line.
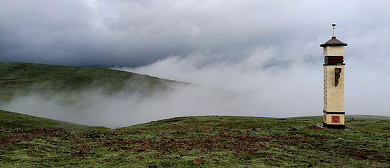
212,141
14,120
50,79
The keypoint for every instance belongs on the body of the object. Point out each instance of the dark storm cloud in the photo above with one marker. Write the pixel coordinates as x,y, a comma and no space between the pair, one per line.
140,32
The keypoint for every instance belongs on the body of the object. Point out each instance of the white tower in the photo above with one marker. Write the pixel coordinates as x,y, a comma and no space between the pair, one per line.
334,112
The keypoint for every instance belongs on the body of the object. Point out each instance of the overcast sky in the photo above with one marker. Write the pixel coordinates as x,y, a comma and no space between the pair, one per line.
139,32
265,51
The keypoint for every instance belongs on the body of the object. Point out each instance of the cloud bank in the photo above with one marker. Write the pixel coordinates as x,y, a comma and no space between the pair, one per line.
136,33
252,87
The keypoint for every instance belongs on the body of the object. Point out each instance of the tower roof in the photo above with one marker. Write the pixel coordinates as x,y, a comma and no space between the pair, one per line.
333,42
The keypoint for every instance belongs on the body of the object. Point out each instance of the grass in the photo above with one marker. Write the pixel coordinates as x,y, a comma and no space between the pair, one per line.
50,79
21,121
209,141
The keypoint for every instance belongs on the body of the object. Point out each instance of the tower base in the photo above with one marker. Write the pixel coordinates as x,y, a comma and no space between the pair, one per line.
333,126
334,119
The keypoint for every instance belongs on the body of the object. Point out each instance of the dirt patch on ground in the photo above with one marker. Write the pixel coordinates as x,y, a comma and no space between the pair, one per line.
46,132
314,127
313,142
238,143
364,154
241,143
17,136
172,120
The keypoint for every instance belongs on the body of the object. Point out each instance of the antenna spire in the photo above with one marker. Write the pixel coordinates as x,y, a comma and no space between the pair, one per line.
334,25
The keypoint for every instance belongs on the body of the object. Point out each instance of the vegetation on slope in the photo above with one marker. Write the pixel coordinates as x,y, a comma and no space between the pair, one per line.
51,79
11,120
212,141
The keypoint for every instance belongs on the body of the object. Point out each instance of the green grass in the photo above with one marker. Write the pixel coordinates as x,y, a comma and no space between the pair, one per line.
25,122
209,141
50,79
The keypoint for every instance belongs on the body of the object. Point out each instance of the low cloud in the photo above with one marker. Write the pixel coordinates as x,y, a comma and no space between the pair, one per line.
280,88
256,86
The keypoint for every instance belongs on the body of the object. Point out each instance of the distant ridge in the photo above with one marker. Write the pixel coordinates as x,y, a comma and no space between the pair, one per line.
377,117
17,120
50,79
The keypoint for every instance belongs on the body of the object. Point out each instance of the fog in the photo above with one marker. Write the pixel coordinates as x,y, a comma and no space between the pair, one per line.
95,108
247,58
252,87
242,89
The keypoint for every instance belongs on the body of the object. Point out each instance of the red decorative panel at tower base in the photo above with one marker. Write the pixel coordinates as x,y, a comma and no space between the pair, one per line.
335,119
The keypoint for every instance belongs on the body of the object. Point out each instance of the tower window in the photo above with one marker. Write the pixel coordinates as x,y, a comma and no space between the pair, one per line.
334,60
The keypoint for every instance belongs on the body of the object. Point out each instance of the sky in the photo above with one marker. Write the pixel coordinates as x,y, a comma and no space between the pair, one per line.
265,51
140,32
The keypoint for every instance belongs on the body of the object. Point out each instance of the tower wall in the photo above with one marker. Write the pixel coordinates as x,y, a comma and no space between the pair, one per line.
333,51
333,95
334,72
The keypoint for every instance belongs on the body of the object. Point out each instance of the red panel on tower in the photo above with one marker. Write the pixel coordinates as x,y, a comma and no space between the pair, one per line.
335,119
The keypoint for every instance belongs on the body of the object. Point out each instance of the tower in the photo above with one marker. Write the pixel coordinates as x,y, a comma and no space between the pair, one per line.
334,112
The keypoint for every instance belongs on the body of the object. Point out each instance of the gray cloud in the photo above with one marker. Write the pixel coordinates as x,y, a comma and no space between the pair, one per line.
134,33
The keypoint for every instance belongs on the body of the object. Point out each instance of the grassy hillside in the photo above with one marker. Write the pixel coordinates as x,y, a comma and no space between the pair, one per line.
212,141
11,120
51,79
